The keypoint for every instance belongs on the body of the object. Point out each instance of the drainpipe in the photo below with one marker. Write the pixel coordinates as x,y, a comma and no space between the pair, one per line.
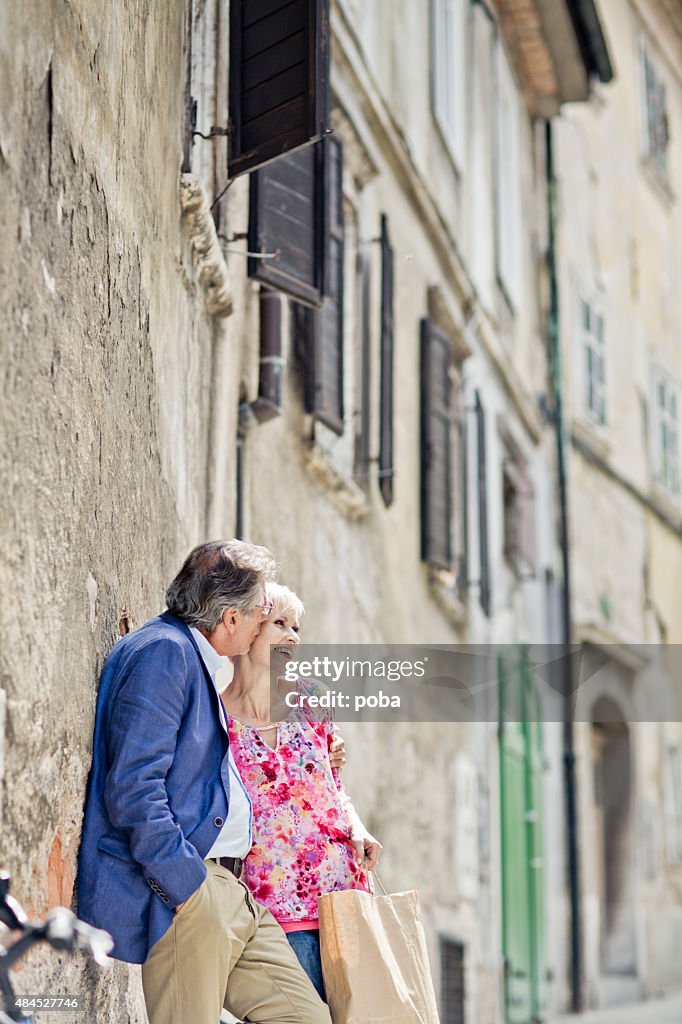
268,404
570,784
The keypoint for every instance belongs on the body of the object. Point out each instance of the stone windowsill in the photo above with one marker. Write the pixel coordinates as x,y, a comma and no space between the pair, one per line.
210,261
592,435
669,503
658,180
346,494
442,586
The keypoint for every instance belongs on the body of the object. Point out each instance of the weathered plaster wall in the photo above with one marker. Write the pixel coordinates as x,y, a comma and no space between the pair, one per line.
104,371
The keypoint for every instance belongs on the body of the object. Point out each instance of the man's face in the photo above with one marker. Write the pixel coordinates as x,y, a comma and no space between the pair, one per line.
240,629
249,628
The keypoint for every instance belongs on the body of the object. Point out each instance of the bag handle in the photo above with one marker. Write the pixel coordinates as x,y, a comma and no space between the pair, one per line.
376,878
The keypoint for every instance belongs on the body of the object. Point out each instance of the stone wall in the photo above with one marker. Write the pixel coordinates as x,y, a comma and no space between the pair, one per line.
104,373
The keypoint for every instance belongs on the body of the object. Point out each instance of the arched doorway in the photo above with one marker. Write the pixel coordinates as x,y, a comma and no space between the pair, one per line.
612,774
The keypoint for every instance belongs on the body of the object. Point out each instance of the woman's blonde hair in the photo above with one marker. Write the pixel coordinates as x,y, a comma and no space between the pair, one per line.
283,599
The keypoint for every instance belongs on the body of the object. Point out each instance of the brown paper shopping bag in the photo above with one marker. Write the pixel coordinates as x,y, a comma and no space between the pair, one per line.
374,959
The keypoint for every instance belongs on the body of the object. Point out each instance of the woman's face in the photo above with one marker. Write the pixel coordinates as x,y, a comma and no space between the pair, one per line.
278,637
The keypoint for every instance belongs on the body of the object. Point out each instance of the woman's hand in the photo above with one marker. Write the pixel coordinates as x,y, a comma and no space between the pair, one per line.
367,850
337,750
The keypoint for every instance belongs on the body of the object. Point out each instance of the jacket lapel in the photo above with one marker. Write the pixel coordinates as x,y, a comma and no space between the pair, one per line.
172,620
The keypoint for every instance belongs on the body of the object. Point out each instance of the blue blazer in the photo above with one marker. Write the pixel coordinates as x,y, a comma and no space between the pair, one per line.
159,786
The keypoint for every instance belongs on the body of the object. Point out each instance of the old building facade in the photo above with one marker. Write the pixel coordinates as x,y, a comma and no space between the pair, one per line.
620,236
395,448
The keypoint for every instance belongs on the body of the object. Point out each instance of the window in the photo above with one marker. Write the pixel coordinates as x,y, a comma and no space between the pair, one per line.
279,79
519,514
448,47
673,803
452,981
656,130
592,340
507,182
665,432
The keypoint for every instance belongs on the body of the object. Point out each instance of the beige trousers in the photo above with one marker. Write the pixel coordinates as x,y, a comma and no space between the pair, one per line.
224,949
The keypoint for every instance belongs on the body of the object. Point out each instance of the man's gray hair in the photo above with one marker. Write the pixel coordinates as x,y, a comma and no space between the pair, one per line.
218,575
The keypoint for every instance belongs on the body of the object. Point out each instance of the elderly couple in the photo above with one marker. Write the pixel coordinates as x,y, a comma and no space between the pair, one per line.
210,830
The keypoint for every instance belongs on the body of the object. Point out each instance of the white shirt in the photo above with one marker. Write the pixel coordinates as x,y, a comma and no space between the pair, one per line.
234,838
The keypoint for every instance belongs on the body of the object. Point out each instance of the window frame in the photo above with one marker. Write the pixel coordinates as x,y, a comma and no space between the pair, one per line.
664,423
672,802
507,183
449,27
649,64
519,533
593,349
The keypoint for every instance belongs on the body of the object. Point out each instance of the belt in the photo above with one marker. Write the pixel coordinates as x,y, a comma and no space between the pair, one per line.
233,864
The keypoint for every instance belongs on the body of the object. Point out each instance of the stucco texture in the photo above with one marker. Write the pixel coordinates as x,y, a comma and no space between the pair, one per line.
103,368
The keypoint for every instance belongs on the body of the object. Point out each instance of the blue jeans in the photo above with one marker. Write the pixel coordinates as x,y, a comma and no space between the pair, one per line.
306,946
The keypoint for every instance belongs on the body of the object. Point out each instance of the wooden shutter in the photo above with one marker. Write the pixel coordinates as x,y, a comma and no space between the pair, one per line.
484,562
328,343
436,447
319,332
286,216
386,470
452,981
279,78
523,826
364,398
462,537
189,102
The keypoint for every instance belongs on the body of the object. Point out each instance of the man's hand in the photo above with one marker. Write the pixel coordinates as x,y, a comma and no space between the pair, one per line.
337,750
179,907
367,850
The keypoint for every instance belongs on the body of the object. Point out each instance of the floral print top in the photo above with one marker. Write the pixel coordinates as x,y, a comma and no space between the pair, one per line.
302,819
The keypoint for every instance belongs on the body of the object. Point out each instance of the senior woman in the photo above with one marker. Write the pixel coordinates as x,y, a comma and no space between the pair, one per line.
307,837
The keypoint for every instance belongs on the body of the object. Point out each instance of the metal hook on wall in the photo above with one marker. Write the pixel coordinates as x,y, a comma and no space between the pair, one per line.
246,252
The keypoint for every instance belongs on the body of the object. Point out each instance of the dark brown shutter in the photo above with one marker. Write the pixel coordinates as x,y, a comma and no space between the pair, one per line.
363,420
386,385
189,101
452,981
328,349
287,217
462,543
436,447
322,329
484,561
279,78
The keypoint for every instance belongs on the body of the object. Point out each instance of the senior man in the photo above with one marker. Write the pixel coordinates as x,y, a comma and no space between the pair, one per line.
167,820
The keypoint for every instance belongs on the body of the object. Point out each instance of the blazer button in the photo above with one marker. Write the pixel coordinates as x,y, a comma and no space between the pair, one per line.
218,822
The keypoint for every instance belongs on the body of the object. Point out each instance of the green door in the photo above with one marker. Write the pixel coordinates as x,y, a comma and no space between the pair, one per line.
523,910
